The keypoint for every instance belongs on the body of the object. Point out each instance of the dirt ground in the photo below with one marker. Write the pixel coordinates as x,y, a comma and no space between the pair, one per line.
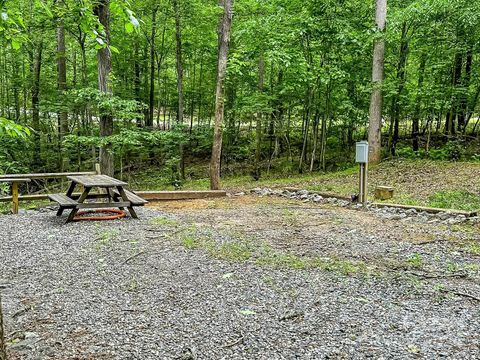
243,277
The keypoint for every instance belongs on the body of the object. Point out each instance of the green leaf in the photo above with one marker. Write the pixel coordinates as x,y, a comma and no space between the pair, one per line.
15,44
129,28
114,49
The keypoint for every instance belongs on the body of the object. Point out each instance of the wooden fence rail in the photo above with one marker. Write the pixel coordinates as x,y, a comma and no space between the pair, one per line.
15,178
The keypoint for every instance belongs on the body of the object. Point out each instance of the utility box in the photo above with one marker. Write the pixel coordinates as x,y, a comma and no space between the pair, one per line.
361,154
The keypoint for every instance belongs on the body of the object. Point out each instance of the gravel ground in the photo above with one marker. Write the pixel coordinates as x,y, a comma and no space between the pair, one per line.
131,289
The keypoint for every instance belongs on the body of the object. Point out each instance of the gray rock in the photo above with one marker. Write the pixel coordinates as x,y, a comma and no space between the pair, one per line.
411,212
443,215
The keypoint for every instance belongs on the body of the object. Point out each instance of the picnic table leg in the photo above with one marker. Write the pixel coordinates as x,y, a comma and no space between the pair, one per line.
80,200
69,194
125,198
15,204
114,196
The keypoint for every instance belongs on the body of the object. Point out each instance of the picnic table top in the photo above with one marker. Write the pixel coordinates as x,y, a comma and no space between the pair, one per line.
96,181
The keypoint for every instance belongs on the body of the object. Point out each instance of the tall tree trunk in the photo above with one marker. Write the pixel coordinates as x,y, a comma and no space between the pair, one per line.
178,39
62,86
37,67
462,115
258,129
152,68
102,11
178,52
223,45
450,127
416,113
375,117
136,80
402,61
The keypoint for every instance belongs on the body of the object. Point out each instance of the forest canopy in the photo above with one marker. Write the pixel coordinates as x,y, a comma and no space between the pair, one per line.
297,87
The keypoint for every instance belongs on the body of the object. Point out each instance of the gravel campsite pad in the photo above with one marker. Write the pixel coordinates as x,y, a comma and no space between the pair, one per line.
241,278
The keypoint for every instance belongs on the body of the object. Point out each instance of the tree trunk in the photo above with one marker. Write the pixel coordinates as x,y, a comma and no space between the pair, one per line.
152,69
401,84
102,10
375,117
416,113
258,129
462,115
450,127
178,39
223,45
37,67
136,80
62,86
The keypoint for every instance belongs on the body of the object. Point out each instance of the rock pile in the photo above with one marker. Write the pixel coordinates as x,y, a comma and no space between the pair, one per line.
392,213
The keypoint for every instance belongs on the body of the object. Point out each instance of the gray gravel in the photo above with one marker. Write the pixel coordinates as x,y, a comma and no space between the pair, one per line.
127,289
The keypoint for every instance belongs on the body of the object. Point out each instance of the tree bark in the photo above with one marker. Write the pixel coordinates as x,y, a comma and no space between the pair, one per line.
178,39
401,84
62,86
375,117
152,68
223,46
178,52
102,11
258,128
416,113
37,67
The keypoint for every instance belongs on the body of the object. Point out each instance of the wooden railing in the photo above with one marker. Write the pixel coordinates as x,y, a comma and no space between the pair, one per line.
15,197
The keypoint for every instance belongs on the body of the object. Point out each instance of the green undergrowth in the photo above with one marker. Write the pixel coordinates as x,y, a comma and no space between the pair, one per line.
416,182
460,200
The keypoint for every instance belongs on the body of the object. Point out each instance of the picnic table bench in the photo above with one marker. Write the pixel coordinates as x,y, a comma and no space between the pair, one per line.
113,191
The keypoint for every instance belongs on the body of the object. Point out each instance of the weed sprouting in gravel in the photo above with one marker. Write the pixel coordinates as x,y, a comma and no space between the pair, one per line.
105,238
165,221
474,248
415,260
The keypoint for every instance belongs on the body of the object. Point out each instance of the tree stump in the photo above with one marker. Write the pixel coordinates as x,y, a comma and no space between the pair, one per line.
383,192
3,354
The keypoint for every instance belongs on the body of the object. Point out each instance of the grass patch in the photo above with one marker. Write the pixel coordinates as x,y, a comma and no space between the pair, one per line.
459,200
474,248
269,257
415,261
233,251
164,220
242,250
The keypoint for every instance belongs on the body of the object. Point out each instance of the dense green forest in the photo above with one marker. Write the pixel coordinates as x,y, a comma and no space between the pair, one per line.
296,93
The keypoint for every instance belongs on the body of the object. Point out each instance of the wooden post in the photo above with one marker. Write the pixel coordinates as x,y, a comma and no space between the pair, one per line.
15,204
97,169
3,354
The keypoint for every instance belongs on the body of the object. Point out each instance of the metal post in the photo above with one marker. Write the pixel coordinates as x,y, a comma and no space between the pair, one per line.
362,197
361,157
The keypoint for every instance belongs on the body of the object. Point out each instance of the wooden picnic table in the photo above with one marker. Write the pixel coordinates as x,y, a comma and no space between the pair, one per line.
113,190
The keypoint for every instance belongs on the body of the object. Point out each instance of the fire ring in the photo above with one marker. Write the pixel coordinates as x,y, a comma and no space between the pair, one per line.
117,214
